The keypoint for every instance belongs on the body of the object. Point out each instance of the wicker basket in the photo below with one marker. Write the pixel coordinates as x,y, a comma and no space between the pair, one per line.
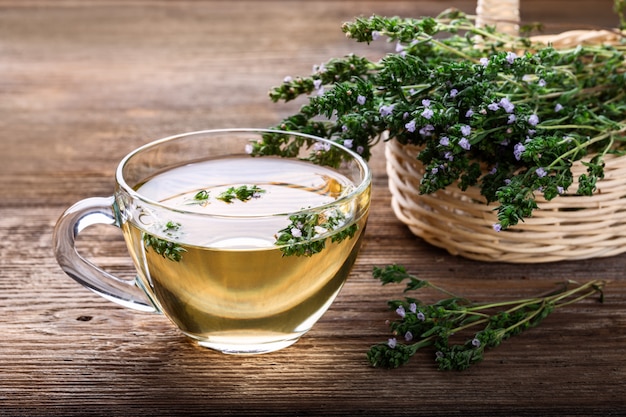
566,228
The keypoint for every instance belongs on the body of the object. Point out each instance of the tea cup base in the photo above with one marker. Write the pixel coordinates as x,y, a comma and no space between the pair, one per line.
247,349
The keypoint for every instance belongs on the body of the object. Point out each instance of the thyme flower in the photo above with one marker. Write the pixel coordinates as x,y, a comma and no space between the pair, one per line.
471,99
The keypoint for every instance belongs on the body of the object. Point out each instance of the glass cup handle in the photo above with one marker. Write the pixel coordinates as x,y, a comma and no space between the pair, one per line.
88,212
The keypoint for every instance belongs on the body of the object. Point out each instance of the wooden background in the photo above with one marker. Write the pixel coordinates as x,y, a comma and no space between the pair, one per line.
84,82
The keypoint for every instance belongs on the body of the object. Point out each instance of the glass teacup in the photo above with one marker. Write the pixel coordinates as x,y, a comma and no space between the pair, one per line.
243,251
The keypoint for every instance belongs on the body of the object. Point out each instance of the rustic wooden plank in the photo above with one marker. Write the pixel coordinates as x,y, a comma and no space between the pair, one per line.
83,83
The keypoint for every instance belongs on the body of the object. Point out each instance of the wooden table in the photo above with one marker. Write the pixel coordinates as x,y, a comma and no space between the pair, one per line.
83,83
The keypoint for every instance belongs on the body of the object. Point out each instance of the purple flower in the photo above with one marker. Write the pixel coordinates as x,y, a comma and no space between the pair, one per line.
449,156
541,83
541,172
506,104
469,113
376,35
427,113
410,126
392,342
497,227
321,147
287,79
484,61
558,107
466,130
386,110
512,119
348,143
493,106
361,99
465,144
510,57
344,128
454,92
421,316
560,189
475,342
518,150
295,232
408,336
426,102
427,130
317,84
360,149
444,141
400,311
533,119
399,47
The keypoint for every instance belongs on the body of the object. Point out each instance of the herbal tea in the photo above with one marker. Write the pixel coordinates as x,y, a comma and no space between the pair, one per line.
243,246
252,275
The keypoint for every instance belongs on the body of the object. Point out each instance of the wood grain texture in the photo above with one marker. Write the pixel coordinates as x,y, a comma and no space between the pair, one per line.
83,83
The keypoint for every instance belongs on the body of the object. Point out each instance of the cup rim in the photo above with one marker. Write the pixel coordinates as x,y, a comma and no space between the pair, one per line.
360,188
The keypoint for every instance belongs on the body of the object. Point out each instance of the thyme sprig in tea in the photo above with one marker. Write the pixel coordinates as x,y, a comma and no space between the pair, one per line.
241,193
166,248
487,109
304,236
459,330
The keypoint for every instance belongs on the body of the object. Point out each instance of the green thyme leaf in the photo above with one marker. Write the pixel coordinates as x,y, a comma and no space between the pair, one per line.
201,195
200,198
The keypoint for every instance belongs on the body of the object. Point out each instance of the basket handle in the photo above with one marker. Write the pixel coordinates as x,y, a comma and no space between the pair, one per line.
503,13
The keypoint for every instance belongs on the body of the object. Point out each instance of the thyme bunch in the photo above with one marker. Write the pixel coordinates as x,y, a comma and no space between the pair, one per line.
485,108
486,325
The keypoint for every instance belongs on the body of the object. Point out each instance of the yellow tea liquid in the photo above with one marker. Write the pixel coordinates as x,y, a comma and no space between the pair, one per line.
230,286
